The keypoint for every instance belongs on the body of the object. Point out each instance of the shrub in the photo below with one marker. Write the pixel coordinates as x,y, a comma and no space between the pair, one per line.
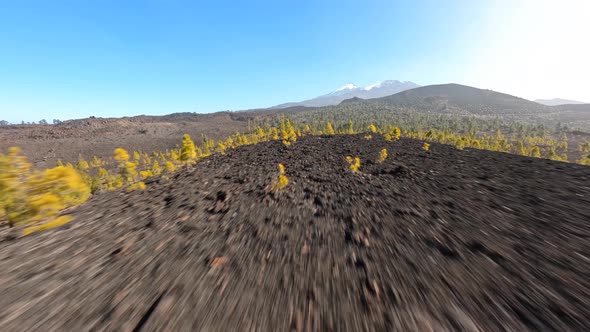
382,156
126,168
372,128
329,129
353,163
349,128
281,181
459,144
187,151
136,186
387,137
82,165
61,220
519,148
120,155
169,167
274,134
146,174
156,170
220,148
28,196
96,162
136,157
425,146
396,133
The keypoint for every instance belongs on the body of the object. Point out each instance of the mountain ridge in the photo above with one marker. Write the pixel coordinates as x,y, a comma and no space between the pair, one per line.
558,102
350,90
457,98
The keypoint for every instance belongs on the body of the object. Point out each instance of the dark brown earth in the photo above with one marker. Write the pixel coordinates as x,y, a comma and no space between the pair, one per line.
443,240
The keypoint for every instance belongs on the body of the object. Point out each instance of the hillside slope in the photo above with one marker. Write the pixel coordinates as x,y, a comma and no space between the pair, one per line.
441,241
456,98
348,91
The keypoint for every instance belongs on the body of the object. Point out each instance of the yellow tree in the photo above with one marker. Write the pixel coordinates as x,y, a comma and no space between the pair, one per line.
349,128
329,129
187,151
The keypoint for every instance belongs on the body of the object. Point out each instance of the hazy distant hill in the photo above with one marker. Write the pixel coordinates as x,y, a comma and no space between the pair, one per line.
456,98
348,91
557,101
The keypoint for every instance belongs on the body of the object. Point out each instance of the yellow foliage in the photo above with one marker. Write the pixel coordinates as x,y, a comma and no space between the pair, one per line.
95,162
329,129
156,170
286,143
82,165
136,157
368,137
174,155
281,181
61,220
221,148
136,186
128,171
387,137
372,128
353,163
425,146
274,134
146,174
396,133
187,151
382,156
27,196
459,144
120,155
169,167
261,134
349,128
102,173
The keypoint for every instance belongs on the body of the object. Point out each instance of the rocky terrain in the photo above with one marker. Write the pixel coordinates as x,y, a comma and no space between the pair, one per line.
45,144
439,240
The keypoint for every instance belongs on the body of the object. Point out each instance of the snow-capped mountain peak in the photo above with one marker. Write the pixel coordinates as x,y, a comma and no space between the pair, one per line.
372,86
348,91
383,84
348,86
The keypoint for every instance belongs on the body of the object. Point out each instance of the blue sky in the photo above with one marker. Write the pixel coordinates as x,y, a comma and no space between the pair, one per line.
72,59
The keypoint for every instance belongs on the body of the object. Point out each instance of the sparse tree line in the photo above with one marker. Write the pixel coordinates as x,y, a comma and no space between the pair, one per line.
29,196
4,123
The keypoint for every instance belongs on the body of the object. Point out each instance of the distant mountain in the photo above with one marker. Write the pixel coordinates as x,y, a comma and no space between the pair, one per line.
350,90
557,101
456,98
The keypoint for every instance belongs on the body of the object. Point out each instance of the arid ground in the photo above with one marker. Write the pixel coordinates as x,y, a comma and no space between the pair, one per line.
443,240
